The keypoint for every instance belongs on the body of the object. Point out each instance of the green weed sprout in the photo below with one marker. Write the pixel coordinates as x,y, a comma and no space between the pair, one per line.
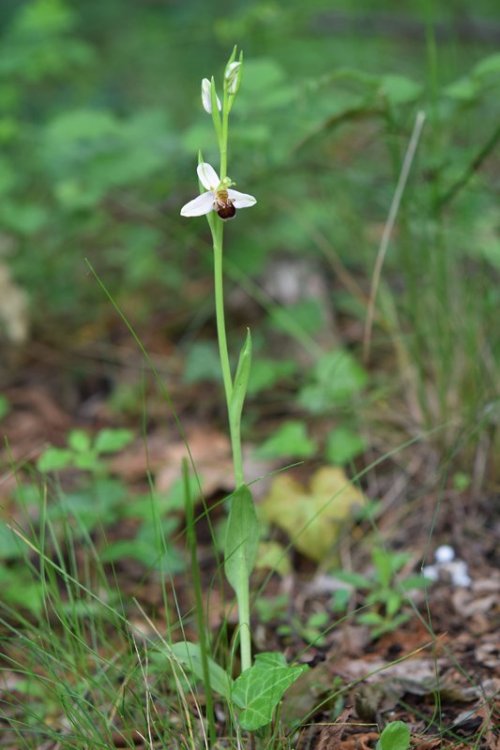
396,736
384,595
259,688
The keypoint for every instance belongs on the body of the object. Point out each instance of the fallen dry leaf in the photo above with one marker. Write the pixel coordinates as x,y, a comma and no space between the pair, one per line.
273,556
211,455
313,516
331,734
210,451
365,741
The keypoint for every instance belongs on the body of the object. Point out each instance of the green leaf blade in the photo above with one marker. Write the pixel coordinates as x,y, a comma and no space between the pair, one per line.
258,690
241,380
242,538
189,655
396,736
112,440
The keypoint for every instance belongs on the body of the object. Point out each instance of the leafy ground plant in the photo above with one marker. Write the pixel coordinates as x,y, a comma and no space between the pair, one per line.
384,593
396,736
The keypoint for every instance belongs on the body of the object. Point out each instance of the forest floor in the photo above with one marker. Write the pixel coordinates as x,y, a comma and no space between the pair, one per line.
439,672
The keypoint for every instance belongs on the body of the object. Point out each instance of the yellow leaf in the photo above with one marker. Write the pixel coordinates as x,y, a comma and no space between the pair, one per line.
313,516
273,556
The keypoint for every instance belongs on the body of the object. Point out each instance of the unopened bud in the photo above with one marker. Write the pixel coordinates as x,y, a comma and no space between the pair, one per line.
233,77
206,96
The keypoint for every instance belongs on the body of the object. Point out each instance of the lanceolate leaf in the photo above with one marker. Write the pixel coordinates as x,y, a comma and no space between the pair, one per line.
242,538
241,380
259,689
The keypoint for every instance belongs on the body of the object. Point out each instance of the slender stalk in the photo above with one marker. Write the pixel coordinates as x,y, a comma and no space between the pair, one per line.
243,597
234,428
219,310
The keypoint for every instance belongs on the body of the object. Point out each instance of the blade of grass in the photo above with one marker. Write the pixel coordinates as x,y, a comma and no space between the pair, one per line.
200,619
388,228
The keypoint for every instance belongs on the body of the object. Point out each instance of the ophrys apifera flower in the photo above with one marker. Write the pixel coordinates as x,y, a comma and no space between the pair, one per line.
220,197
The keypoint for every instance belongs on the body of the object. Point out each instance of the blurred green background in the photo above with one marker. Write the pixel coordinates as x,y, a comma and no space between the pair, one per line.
100,124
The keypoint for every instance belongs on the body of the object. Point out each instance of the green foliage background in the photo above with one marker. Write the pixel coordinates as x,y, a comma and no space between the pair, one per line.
101,121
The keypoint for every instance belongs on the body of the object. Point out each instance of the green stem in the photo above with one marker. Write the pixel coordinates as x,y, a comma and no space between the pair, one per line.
219,310
243,597
234,428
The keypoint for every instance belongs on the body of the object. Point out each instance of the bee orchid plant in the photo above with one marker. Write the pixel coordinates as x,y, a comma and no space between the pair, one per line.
261,684
220,202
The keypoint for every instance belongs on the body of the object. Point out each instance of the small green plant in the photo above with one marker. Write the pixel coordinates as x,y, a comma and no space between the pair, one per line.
100,502
384,594
395,736
84,453
261,685
312,631
93,503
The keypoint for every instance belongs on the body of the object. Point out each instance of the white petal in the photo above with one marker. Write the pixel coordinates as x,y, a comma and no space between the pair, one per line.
199,206
232,76
208,176
206,96
231,68
241,200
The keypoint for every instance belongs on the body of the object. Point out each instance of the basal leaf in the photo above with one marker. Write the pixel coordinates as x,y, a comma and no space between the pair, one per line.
258,690
396,736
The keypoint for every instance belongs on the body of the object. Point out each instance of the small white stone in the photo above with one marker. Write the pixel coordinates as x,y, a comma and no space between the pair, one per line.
431,572
464,581
444,554
459,573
